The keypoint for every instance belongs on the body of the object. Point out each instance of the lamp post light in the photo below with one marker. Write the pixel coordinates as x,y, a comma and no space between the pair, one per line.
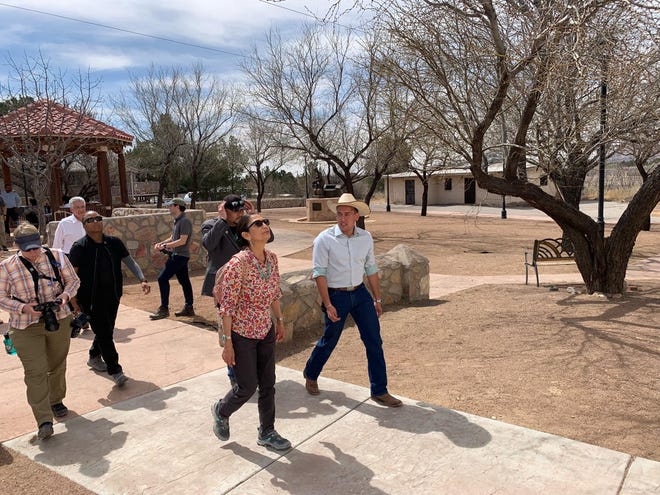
503,205
387,180
601,160
306,186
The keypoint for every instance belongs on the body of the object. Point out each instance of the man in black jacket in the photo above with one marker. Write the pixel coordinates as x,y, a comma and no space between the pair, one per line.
97,259
219,237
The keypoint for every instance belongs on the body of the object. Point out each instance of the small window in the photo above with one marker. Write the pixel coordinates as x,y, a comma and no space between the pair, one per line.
448,184
544,180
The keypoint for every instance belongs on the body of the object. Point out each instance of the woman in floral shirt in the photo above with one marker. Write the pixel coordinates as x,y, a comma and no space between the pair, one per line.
248,300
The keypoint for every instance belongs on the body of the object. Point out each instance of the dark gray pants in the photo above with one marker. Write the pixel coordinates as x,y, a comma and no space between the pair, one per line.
255,367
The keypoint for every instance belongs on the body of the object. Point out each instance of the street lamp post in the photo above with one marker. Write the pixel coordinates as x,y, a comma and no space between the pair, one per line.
306,186
387,180
601,161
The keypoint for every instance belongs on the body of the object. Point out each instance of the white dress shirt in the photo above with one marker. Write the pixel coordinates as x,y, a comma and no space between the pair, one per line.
68,231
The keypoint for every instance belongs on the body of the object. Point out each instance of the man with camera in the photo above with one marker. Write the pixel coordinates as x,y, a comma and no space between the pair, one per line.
35,286
177,249
97,258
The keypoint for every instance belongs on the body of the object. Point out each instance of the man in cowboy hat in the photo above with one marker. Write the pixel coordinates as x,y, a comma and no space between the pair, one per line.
342,255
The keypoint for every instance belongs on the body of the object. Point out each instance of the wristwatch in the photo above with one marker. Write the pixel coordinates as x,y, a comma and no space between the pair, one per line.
223,339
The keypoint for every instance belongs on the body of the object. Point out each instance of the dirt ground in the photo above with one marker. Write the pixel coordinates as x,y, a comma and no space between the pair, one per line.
576,365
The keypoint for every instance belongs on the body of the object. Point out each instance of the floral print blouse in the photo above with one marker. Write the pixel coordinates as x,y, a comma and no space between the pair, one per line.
248,289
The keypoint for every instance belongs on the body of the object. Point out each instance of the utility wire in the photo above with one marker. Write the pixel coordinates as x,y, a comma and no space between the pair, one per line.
136,33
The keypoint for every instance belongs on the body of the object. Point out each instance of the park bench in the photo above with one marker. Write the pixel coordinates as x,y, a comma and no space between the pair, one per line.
548,252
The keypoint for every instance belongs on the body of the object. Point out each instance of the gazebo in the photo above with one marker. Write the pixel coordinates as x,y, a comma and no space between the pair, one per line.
51,132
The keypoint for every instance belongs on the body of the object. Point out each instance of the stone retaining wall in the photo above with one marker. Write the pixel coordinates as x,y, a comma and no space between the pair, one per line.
266,204
140,228
403,278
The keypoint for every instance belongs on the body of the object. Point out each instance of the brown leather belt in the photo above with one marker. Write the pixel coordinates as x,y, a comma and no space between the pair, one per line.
346,289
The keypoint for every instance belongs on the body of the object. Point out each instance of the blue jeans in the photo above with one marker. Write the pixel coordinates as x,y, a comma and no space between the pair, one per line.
176,265
360,305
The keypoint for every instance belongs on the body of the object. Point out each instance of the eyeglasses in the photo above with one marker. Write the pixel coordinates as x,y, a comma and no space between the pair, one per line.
93,219
235,205
31,249
259,223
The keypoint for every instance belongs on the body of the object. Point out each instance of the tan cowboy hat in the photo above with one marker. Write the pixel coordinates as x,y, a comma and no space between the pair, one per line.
348,199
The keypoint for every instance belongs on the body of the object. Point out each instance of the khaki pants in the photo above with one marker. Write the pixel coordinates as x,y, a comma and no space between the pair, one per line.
43,355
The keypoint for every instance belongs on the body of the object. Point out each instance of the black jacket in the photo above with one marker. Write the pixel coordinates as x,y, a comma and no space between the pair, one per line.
83,256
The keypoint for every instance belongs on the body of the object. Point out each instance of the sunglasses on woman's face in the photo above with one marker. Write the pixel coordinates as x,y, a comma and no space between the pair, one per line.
93,219
259,223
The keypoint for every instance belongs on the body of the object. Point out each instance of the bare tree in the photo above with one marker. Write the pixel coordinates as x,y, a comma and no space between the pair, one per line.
147,109
264,152
43,146
324,99
468,60
428,158
206,109
180,116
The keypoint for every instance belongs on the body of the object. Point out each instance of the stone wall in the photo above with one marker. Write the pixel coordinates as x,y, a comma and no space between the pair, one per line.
266,204
140,228
403,278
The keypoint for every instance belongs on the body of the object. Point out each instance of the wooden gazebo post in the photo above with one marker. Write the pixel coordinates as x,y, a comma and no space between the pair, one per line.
121,165
55,185
103,175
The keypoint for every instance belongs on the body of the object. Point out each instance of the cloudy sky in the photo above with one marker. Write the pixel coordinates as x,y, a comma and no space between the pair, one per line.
114,39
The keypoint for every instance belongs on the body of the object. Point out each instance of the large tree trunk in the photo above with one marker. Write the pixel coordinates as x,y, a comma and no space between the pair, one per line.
425,196
602,262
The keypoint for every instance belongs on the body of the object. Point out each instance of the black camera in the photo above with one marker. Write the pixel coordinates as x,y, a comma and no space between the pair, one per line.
168,252
47,310
78,322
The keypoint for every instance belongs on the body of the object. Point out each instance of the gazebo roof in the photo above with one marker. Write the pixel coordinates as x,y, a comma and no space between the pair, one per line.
47,119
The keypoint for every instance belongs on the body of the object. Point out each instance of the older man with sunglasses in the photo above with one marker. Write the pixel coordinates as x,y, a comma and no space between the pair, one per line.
97,258
29,279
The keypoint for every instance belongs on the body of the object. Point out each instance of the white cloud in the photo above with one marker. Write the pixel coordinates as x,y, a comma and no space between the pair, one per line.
228,27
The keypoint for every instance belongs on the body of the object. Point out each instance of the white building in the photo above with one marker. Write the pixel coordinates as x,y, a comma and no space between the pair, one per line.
455,186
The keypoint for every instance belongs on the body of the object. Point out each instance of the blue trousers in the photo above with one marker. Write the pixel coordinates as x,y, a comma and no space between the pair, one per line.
360,305
176,265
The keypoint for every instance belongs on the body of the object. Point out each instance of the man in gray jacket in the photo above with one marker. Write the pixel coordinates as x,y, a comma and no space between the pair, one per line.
219,237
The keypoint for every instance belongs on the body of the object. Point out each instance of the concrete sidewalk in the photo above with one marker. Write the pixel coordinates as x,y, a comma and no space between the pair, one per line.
155,434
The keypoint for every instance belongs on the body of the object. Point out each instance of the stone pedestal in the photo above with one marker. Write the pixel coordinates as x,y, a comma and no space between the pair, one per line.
318,211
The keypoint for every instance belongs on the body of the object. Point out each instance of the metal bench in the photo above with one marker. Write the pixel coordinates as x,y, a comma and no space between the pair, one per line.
548,252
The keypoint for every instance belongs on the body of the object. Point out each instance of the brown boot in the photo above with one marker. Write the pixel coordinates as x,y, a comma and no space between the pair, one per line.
311,386
387,400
